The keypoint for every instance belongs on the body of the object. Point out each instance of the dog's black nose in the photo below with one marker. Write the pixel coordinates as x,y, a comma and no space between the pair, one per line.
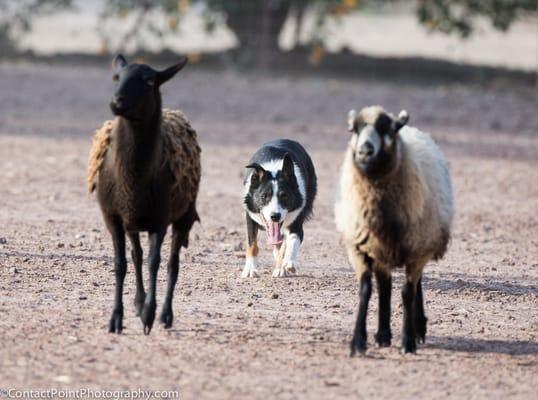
275,217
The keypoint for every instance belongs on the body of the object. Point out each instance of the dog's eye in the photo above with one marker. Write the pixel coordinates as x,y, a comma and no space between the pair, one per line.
115,78
150,81
265,197
282,195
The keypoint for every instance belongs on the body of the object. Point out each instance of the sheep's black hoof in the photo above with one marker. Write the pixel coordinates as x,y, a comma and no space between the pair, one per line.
420,329
167,317
383,338
139,302
116,321
147,316
358,345
409,346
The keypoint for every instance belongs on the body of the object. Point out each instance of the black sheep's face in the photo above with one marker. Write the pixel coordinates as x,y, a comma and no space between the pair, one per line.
136,93
375,140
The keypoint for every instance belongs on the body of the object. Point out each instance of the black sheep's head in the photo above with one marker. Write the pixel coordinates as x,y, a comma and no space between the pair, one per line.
375,142
136,95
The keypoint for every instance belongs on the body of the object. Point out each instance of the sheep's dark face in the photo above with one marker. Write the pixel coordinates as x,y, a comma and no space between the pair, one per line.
375,141
137,95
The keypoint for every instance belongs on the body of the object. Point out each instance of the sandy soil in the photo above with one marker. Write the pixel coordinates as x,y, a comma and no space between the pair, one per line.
284,338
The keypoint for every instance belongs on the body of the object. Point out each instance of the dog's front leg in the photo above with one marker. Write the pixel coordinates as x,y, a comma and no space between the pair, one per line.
287,262
250,270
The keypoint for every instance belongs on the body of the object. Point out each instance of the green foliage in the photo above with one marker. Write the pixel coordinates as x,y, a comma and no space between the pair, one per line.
16,16
246,17
458,16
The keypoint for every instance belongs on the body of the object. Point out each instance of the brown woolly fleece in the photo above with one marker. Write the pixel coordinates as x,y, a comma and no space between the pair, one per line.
393,226
396,220
182,152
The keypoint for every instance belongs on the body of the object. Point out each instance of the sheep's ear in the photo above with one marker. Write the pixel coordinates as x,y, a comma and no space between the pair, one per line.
118,63
259,173
288,171
163,76
352,121
401,121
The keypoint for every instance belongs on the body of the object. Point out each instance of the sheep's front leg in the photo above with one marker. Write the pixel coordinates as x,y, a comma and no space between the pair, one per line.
150,304
120,269
363,267
137,256
250,270
413,273
384,288
288,263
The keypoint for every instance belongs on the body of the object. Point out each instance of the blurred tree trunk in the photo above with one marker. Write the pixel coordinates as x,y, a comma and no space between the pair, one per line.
257,25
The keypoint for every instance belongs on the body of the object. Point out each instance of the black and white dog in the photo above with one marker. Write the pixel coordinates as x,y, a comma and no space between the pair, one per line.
280,187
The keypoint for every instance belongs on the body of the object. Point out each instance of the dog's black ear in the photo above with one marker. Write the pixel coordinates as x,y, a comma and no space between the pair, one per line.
288,171
402,119
259,173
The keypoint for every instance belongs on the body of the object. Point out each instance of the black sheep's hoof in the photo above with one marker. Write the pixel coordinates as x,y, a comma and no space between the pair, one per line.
147,316
358,345
409,346
167,317
383,338
116,321
420,330
139,303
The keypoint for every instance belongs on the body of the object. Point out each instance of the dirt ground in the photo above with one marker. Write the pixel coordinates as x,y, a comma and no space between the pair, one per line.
283,338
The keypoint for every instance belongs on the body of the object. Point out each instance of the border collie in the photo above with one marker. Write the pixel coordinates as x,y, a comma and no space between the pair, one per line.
280,186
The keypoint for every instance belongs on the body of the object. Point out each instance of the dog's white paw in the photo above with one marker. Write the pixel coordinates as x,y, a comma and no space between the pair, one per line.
291,267
279,272
250,270
287,268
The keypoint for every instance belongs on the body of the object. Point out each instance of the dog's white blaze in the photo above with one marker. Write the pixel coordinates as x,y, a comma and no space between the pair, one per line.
274,206
369,134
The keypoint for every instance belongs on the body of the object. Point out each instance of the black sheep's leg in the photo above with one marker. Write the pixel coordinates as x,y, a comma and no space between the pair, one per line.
137,256
167,315
363,268
180,237
120,269
384,287
150,304
413,273
408,333
420,317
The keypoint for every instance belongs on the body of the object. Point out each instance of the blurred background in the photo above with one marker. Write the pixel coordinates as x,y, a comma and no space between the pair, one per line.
342,35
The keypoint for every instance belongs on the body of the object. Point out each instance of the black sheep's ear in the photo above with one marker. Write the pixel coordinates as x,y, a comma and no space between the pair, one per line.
163,76
352,121
288,170
259,173
401,121
118,63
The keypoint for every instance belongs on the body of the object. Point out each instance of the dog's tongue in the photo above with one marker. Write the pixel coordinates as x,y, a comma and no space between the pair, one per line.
274,233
